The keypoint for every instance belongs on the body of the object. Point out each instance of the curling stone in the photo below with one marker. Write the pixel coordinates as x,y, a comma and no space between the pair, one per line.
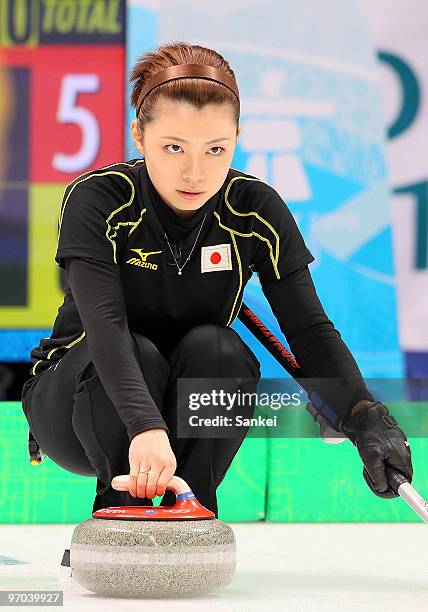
153,551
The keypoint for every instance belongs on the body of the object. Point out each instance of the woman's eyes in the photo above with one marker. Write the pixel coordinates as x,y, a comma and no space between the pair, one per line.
176,145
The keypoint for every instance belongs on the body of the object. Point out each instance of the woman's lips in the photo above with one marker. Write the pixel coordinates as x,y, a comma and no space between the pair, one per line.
190,196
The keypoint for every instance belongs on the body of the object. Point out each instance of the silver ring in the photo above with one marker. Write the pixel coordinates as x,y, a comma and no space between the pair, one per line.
144,472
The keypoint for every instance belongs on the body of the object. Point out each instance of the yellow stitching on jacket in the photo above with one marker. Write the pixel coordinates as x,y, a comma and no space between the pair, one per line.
134,223
240,276
255,214
67,346
237,257
94,173
274,263
109,227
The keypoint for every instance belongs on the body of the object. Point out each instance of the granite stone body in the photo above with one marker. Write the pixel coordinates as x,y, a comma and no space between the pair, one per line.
152,558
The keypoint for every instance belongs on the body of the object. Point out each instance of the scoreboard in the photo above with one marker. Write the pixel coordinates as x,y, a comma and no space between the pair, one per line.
62,65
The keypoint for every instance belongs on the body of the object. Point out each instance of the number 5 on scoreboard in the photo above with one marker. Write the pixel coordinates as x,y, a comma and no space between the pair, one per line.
70,112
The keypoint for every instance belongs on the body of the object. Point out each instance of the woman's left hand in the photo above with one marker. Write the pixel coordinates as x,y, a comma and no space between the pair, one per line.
380,443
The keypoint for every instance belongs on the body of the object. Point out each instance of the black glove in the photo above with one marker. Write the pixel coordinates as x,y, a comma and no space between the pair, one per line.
381,445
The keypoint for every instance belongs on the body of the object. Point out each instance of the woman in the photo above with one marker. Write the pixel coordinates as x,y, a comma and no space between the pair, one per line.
158,251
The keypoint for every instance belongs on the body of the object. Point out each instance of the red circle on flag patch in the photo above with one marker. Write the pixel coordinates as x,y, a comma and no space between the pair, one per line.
215,257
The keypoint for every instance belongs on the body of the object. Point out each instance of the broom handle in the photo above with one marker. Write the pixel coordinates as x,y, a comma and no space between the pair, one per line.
287,360
402,486
397,481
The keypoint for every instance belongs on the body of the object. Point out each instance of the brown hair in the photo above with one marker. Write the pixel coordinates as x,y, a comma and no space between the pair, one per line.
198,92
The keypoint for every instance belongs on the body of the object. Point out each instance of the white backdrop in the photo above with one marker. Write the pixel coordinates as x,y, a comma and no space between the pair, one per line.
399,29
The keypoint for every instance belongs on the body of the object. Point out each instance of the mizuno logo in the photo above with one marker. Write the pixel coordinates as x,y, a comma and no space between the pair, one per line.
142,262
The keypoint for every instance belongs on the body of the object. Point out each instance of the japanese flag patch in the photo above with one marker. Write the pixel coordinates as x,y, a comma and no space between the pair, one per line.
216,257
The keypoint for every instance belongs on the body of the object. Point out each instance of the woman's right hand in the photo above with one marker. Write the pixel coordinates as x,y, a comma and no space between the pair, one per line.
150,450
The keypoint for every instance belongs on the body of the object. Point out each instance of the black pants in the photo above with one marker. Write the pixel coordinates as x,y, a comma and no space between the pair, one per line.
78,427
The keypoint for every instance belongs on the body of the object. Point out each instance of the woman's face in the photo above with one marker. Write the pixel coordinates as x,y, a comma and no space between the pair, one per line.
179,155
